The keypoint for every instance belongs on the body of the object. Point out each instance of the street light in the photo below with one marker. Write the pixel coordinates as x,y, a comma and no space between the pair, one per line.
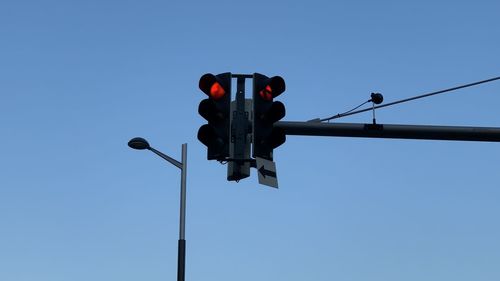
141,144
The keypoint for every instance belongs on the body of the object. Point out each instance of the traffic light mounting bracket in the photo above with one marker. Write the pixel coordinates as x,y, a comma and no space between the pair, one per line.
238,165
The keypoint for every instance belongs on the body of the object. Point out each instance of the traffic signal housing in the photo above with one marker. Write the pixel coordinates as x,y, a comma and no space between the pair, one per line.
266,112
216,110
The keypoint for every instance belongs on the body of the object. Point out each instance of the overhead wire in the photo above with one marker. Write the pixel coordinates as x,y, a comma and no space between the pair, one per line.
349,111
352,112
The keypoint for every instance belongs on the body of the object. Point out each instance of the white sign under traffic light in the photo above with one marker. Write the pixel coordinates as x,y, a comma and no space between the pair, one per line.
267,172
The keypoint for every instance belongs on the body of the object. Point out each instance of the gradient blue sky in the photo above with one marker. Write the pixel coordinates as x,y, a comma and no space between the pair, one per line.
78,79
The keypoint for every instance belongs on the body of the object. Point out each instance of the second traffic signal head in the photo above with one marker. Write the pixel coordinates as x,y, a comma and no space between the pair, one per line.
266,112
215,109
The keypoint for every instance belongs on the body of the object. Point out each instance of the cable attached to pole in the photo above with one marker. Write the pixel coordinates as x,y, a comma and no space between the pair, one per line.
352,112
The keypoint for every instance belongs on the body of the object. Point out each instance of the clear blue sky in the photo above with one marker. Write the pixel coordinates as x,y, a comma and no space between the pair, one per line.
78,79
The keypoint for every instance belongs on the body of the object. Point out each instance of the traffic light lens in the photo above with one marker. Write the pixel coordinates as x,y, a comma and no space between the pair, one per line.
216,91
267,93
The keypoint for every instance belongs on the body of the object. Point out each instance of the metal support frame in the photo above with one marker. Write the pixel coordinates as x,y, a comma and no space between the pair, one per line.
239,149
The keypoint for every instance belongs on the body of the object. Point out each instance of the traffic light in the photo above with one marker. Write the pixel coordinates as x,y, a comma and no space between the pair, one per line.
216,110
266,112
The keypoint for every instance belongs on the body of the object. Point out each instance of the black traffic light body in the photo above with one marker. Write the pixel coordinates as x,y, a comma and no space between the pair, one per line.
266,112
216,110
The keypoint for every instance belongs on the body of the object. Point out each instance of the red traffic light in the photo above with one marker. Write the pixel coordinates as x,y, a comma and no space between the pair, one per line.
266,113
271,88
213,86
267,93
216,91
216,110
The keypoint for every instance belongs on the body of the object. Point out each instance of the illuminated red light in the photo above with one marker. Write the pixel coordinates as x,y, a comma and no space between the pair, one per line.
216,91
267,93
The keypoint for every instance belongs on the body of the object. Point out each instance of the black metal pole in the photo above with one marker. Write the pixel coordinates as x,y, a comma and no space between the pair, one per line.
422,132
181,260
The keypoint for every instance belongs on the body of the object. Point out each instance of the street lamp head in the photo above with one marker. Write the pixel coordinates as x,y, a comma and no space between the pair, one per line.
139,143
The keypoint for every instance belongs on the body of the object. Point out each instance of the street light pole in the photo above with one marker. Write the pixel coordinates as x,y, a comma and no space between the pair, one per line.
140,143
181,258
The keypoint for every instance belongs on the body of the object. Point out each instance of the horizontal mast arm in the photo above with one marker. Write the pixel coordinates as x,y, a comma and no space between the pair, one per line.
394,131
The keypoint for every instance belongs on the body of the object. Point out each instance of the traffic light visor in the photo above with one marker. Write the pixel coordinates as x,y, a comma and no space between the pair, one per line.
273,87
212,87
